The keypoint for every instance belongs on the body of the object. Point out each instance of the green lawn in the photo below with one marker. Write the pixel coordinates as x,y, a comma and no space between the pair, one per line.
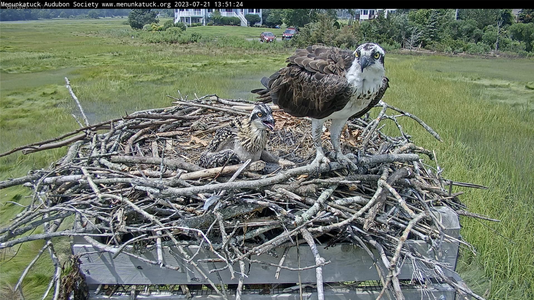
480,107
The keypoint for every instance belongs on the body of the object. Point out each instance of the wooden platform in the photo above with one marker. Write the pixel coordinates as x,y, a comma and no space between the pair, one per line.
348,263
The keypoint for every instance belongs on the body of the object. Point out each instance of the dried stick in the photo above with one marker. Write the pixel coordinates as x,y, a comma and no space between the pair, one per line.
212,172
425,126
316,206
318,260
232,111
56,279
392,276
77,102
240,283
55,145
171,163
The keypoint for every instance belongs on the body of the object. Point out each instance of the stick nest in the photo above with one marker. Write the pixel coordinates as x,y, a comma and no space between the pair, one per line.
135,182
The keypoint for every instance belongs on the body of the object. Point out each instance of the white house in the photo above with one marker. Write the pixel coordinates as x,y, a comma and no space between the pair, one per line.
197,15
369,14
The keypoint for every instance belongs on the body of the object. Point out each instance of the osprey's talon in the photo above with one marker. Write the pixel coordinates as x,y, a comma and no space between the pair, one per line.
346,161
320,158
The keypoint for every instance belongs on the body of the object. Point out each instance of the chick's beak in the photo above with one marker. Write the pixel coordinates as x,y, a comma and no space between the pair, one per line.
269,123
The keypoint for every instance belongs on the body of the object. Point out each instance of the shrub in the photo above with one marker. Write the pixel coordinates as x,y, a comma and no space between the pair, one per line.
195,37
153,27
174,30
231,21
180,25
478,48
252,18
168,24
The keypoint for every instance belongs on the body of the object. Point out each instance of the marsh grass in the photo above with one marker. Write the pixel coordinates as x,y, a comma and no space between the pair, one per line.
484,142
486,138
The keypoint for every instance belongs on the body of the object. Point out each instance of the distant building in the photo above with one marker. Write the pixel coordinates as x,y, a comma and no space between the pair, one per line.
369,14
190,16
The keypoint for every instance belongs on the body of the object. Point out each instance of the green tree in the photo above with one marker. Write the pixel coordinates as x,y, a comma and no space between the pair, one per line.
252,19
216,17
273,17
93,14
140,17
299,17
523,32
526,16
485,17
329,32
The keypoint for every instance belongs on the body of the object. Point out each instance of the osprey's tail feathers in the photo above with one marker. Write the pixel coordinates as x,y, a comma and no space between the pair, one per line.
265,82
264,95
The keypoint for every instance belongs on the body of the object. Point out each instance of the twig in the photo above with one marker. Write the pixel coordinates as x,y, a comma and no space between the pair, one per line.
232,111
77,102
318,260
316,206
425,126
392,276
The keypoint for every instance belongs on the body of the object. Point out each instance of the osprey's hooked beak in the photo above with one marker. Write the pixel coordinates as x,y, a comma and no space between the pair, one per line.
365,61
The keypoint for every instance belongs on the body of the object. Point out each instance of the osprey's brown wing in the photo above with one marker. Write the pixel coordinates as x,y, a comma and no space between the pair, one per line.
313,84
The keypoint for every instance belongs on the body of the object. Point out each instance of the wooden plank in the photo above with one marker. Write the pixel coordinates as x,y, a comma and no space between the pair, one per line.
347,263
438,291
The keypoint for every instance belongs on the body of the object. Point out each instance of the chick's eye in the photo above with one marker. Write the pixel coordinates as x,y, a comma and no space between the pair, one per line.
376,55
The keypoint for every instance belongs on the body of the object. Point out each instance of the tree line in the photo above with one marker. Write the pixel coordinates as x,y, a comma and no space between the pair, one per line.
474,31
35,14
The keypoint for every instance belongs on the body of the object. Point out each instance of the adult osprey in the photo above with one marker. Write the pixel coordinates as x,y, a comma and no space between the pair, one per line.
327,83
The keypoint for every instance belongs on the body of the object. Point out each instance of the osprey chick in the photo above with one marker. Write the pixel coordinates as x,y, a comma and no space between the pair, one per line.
327,83
244,139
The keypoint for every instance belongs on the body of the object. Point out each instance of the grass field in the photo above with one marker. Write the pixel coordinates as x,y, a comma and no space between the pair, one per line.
480,107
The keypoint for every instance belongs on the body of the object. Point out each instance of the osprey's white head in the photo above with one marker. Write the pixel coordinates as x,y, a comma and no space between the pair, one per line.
367,69
370,57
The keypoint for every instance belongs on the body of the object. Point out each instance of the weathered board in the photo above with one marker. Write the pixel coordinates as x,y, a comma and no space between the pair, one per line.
436,292
346,263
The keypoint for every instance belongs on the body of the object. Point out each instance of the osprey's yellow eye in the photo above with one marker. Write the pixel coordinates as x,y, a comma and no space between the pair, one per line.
259,115
376,55
357,54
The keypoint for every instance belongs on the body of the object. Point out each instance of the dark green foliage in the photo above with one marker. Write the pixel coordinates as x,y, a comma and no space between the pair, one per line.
273,17
93,14
328,31
252,19
34,14
140,17
475,31
180,25
524,33
168,24
299,17
217,19
526,16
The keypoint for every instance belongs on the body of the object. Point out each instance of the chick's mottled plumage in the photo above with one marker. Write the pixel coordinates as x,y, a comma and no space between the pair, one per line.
242,140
